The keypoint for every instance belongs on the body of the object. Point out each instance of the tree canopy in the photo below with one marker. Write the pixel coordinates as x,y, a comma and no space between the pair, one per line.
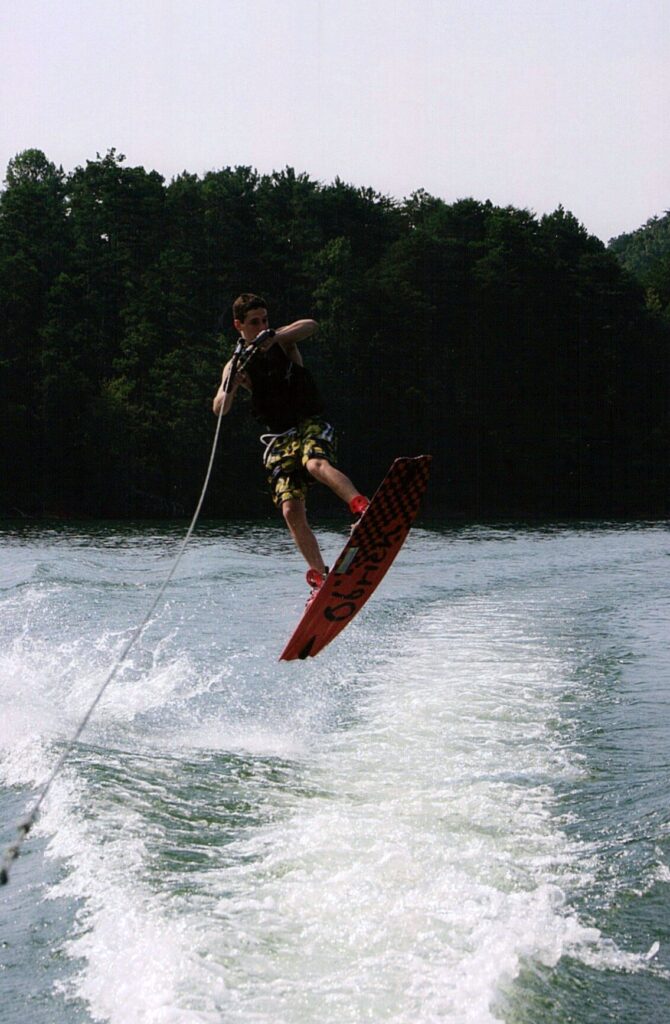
528,358
646,254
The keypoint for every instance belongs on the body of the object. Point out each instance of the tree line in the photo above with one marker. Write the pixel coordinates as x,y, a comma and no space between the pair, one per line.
520,351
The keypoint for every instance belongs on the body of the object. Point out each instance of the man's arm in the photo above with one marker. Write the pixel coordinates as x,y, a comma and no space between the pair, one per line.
289,336
225,397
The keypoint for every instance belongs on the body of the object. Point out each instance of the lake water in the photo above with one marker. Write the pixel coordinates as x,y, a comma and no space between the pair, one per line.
457,813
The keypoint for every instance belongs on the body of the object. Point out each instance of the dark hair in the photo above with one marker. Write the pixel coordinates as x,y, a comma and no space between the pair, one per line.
244,303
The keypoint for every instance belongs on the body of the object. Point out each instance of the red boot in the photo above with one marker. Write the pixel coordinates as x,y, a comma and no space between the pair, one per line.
315,580
357,507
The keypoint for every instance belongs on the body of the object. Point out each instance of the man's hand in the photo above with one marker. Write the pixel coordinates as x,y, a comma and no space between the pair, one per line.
265,339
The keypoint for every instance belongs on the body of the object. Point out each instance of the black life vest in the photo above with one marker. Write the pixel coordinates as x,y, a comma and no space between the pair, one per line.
282,392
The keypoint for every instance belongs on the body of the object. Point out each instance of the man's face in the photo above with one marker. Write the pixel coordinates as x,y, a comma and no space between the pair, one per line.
254,322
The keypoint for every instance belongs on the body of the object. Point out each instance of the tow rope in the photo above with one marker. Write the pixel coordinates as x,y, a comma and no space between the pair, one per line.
238,362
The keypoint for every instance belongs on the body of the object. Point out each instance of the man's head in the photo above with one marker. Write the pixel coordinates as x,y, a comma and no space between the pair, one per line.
250,315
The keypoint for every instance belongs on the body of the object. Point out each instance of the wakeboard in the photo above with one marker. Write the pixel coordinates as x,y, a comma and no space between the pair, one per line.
365,559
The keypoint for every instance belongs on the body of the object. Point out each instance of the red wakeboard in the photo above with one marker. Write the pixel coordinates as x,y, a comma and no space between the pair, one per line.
365,558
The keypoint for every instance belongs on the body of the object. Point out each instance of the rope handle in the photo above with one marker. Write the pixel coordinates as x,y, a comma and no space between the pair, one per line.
240,359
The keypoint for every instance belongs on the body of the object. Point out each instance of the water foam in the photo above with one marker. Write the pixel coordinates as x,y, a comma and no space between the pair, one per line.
425,866
414,862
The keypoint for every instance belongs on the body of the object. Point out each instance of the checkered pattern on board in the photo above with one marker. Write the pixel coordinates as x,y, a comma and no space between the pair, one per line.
397,500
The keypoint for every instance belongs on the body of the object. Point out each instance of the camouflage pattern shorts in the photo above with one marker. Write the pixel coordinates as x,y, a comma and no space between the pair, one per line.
287,454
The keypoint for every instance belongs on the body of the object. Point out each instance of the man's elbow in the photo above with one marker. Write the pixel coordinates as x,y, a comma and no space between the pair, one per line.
305,329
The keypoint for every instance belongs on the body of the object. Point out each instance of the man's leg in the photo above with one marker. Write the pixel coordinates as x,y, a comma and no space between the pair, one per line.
293,510
325,473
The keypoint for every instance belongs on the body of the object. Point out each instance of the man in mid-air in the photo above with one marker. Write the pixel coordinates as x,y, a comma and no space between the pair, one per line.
301,444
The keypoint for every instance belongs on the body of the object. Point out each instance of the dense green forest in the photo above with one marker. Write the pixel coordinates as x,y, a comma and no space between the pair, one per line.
529,359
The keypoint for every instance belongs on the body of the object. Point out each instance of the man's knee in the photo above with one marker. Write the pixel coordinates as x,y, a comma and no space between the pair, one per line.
293,511
317,466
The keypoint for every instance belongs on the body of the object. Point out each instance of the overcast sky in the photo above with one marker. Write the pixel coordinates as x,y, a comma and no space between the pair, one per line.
533,103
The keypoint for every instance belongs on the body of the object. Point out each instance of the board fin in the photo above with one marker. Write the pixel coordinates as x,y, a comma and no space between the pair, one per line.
307,649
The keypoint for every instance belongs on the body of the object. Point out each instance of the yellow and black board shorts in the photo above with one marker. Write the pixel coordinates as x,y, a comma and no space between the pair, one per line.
287,454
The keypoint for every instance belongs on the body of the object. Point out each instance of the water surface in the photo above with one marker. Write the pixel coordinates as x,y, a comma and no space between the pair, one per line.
458,812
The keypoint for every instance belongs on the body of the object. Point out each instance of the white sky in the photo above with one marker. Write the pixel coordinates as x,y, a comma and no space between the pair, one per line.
525,102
